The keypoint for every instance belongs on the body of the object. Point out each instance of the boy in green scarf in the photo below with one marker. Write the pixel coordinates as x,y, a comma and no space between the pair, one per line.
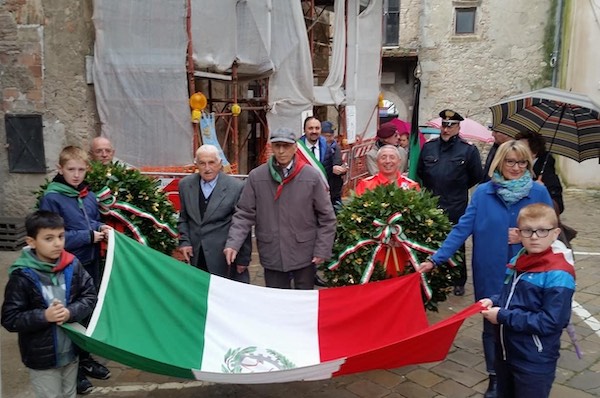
69,196
46,288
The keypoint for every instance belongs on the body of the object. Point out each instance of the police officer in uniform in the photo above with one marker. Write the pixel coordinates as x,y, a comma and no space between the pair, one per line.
448,166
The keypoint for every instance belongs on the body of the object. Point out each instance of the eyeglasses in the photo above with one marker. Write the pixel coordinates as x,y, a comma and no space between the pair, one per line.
99,151
451,123
511,163
540,232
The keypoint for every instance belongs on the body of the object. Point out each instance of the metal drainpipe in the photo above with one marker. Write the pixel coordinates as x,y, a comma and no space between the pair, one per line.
554,59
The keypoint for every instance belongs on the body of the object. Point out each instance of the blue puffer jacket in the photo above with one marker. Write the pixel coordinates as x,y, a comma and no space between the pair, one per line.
488,219
535,308
80,224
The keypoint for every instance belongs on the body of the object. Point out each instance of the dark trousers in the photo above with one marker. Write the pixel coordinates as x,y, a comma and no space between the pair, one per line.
462,267
488,337
92,268
304,278
201,261
514,383
232,273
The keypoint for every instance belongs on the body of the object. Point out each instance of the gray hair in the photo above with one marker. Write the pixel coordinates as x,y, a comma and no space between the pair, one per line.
388,147
208,150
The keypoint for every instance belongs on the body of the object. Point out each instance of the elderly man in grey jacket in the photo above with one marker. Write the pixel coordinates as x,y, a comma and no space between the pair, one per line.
287,202
208,200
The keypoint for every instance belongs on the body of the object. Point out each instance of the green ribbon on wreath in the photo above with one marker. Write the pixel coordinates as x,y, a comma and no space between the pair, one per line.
109,206
388,234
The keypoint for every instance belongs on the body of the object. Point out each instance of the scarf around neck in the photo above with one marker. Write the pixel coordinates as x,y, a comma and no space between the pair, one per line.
277,177
59,185
511,191
548,260
29,259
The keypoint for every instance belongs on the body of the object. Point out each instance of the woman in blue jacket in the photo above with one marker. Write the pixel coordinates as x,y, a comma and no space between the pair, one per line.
491,218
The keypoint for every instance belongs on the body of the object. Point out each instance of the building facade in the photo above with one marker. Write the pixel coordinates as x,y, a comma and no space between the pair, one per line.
45,100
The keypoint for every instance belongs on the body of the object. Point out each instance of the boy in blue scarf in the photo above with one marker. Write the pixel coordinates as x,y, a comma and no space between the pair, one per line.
46,288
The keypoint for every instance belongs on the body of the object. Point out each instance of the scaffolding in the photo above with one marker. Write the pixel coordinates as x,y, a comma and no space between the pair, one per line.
224,90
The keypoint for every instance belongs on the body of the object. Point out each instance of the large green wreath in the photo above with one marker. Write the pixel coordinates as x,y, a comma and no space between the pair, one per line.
130,186
422,222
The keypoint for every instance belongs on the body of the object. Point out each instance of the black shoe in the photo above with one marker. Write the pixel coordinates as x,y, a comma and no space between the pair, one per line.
83,384
93,369
459,290
319,282
492,391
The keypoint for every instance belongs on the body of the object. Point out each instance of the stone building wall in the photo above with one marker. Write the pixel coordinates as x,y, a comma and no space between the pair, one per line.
468,73
42,71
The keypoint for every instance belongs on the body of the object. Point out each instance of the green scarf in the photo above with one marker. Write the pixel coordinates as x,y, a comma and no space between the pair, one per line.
277,177
67,190
28,259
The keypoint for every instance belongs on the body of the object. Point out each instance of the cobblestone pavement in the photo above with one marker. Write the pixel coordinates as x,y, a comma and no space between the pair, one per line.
462,374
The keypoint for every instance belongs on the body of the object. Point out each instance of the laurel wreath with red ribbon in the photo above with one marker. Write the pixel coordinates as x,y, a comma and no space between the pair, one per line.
388,232
388,238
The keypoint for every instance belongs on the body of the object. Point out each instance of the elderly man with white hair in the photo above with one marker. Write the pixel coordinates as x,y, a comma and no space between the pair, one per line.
208,199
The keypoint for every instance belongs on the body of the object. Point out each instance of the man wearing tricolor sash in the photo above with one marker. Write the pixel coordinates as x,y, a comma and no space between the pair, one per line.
316,144
290,209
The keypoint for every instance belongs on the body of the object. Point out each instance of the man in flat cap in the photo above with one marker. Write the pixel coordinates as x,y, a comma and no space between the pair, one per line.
448,166
289,206
387,134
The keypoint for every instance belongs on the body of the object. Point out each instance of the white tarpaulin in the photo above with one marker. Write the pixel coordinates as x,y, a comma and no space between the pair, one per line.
364,66
332,90
357,54
140,66
140,80
264,37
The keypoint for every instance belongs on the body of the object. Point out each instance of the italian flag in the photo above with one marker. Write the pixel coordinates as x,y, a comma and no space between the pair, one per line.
160,315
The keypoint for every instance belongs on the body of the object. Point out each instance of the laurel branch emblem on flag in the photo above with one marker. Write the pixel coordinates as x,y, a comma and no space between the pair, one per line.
254,360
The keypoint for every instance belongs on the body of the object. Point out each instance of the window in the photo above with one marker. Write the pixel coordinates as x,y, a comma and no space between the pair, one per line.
25,139
465,20
391,23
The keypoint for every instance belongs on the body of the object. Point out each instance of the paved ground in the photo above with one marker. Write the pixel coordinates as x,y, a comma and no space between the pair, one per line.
460,375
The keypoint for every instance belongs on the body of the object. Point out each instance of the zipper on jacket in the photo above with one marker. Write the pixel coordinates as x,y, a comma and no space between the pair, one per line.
538,343
510,295
87,220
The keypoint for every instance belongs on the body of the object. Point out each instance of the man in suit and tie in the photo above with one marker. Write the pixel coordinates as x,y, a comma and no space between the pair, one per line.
317,144
208,199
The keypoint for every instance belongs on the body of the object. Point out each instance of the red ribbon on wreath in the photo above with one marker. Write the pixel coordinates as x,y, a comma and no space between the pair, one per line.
392,248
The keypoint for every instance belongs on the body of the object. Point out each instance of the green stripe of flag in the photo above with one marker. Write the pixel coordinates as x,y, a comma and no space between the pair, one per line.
152,299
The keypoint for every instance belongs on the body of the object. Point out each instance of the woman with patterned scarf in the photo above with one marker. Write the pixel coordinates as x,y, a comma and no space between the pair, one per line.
491,218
